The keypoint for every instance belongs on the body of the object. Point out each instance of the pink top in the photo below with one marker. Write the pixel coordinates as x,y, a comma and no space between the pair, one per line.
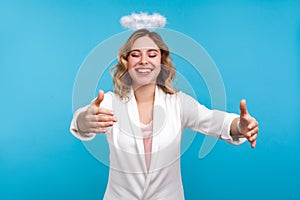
147,139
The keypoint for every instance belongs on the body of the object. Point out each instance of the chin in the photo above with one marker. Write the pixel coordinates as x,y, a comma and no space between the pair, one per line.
141,83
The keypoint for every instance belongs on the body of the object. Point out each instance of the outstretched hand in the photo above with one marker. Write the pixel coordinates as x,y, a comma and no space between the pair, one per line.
96,118
248,124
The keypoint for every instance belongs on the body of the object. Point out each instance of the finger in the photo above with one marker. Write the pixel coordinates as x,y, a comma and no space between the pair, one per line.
102,111
105,111
243,108
253,144
105,118
102,118
104,124
98,130
99,98
253,124
101,124
252,132
253,137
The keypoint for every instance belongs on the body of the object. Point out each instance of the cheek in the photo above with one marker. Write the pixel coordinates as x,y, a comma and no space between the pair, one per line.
158,69
156,61
159,59
131,62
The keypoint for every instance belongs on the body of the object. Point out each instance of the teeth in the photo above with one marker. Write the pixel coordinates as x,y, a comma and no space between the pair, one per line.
144,70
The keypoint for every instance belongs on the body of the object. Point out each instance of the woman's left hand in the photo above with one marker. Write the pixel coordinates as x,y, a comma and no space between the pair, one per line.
248,124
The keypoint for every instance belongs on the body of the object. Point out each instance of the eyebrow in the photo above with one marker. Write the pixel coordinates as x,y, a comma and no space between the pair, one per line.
139,50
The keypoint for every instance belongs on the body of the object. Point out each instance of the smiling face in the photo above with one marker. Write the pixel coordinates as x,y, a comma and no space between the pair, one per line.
143,59
144,62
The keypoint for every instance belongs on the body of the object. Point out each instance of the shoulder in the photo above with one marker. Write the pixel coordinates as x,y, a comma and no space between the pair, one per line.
180,98
183,97
109,94
177,95
187,101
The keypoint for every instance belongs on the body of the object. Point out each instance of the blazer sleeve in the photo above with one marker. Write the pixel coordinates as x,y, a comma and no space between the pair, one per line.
215,123
106,103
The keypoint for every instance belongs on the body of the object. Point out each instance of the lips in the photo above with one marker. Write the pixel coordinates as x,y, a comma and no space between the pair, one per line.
144,70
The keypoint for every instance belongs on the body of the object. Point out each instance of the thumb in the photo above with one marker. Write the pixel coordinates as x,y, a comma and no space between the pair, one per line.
99,98
243,108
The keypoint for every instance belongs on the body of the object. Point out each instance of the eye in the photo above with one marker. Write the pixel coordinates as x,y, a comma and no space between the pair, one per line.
152,55
135,54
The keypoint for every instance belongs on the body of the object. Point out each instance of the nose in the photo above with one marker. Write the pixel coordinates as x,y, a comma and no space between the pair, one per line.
144,60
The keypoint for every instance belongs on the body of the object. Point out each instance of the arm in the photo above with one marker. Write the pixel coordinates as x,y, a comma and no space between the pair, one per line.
214,123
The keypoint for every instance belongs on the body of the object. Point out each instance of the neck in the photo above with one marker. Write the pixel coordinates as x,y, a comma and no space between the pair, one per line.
145,93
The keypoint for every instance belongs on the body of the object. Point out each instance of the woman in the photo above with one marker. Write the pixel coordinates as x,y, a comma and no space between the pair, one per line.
144,118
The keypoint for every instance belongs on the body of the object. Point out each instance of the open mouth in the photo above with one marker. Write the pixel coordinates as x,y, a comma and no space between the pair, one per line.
144,70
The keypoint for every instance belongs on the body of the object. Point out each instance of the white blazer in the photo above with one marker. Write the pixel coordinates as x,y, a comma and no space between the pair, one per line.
128,176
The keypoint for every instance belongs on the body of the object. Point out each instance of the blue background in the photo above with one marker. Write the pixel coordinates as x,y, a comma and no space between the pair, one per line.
255,44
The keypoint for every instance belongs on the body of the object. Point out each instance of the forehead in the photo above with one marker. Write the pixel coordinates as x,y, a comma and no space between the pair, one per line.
144,42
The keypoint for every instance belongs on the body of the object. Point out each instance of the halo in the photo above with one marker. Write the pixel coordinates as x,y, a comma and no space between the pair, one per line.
143,20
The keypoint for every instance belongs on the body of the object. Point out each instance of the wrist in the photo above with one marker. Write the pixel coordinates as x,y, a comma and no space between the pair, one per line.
239,133
79,123
238,127
235,129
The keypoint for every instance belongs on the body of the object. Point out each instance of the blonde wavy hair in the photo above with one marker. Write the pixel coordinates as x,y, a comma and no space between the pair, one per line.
121,78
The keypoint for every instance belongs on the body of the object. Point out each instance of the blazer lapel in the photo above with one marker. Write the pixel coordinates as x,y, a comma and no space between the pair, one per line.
134,121
158,121
159,117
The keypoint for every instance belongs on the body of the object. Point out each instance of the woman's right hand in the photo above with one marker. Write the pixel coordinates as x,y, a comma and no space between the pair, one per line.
95,119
